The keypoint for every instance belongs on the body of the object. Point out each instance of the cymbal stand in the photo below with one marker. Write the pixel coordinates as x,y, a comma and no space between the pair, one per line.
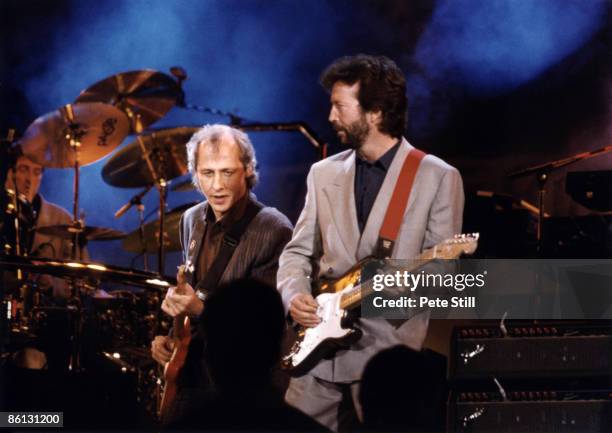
73,136
541,177
162,187
140,207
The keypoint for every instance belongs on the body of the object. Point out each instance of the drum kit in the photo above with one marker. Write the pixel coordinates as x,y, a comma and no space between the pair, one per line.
117,326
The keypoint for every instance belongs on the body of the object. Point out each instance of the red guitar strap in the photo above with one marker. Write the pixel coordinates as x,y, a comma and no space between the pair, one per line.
397,206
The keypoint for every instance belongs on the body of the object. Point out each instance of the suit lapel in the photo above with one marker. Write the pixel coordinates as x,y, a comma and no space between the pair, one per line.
379,209
341,196
194,247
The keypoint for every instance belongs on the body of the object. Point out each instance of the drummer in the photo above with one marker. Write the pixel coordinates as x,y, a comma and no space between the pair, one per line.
28,176
25,178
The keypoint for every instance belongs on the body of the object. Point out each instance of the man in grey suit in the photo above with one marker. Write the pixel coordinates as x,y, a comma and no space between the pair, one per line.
348,195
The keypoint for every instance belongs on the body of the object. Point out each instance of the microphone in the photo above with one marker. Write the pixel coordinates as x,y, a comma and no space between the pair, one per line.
134,200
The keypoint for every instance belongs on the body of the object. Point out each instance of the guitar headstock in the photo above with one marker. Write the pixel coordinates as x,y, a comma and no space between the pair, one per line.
463,244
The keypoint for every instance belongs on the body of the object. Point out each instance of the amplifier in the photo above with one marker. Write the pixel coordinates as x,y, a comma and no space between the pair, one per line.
532,411
527,350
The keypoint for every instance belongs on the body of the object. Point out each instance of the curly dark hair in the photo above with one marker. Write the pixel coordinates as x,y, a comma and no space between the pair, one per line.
382,86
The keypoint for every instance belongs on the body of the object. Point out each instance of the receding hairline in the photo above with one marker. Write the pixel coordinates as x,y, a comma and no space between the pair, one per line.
219,138
216,141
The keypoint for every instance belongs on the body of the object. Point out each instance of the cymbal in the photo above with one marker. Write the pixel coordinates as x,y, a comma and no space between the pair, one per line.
75,269
147,94
166,150
91,233
172,241
99,127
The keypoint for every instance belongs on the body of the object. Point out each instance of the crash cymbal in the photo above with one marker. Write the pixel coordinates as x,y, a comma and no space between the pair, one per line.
91,233
147,94
98,127
151,232
166,150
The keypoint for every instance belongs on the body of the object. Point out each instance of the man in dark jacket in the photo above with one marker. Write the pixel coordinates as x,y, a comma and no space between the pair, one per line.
222,162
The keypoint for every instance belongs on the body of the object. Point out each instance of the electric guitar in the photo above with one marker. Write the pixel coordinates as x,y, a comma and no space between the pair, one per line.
336,298
181,333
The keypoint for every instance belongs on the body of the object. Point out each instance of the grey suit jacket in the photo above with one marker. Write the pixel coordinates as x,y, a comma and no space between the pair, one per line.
326,243
47,246
257,253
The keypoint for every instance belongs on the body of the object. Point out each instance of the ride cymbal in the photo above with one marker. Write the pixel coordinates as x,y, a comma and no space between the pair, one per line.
166,150
146,95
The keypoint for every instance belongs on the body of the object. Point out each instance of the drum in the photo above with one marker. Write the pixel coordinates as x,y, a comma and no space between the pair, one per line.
125,319
16,303
90,323
15,212
37,333
55,328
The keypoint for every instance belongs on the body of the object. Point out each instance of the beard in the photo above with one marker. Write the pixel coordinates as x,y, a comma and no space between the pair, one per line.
354,134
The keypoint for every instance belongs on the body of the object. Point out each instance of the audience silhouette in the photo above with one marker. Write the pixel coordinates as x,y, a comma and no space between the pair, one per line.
243,325
403,390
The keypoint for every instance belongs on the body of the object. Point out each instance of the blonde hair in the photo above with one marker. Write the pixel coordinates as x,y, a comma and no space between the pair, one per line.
211,135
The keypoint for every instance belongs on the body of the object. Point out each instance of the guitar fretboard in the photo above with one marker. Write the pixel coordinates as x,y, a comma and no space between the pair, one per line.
446,250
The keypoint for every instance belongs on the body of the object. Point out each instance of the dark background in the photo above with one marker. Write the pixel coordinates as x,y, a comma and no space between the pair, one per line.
493,86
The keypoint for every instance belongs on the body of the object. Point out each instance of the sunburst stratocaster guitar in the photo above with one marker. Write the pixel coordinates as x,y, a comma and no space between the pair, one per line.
338,297
181,333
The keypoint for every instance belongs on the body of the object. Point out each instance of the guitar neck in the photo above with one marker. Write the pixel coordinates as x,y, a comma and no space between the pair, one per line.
352,298
179,320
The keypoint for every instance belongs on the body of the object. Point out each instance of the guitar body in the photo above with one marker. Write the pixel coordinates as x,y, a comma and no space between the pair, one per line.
313,344
338,297
181,333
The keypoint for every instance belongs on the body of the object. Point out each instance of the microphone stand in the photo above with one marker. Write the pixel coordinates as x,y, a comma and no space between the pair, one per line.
542,172
137,201
238,122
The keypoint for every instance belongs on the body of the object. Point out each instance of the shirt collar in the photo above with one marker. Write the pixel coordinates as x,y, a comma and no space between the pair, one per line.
384,161
233,215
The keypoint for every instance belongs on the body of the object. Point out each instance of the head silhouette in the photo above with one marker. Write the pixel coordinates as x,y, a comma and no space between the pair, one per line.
398,391
243,325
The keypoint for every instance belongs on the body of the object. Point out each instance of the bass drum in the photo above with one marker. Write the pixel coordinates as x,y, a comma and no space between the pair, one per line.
54,328
38,335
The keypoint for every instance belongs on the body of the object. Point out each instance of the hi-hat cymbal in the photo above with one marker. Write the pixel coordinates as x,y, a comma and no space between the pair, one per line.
91,233
98,127
166,149
172,241
145,94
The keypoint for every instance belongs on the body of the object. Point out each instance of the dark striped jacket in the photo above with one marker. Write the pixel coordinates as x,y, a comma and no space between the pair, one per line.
256,256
